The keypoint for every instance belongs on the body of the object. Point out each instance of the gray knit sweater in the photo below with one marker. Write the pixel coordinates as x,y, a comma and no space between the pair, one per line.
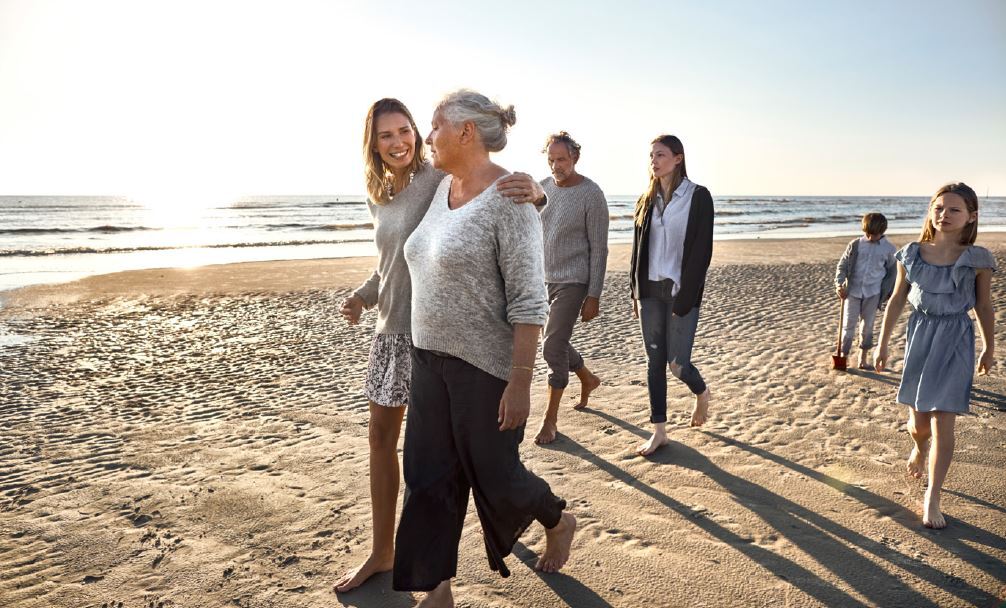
476,271
575,223
389,287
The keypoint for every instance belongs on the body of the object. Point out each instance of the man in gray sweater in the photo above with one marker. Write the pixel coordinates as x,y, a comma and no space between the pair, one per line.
575,225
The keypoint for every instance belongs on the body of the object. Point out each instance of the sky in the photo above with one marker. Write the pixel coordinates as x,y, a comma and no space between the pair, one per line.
186,100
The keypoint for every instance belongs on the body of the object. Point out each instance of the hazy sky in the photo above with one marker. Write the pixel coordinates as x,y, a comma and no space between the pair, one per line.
164,99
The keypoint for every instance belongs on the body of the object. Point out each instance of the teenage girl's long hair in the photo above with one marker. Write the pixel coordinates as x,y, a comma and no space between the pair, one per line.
645,202
376,172
970,232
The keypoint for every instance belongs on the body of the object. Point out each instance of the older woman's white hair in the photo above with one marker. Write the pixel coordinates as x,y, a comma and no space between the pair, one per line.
492,121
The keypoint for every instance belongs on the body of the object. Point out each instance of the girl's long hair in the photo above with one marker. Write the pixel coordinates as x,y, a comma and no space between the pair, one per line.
645,202
375,171
970,232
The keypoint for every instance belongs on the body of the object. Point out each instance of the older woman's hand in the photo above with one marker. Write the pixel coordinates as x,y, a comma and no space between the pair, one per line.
520,188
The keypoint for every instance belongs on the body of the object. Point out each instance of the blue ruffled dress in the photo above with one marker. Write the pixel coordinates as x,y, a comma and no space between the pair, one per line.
940,348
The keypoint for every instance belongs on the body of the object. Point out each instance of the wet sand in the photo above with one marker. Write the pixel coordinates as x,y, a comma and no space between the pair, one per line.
197,437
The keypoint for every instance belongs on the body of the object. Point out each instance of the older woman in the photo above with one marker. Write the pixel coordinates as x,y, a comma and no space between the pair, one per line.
400,185
478,304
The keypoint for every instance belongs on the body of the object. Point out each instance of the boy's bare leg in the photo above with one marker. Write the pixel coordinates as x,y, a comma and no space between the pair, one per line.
558,541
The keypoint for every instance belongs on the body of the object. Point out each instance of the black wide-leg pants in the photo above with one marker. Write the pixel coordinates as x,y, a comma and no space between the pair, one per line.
452,445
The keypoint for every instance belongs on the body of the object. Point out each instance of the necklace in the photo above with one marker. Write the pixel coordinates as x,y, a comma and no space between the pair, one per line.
389,183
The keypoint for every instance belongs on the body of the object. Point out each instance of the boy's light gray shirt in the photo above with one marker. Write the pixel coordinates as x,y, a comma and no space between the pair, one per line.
389,286
476,271
575,224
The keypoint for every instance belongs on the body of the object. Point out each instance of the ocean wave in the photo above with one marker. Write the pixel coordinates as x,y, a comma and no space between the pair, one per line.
106,229
292,204
88,250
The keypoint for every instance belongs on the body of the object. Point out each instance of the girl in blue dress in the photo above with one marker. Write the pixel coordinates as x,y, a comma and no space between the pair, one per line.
944,275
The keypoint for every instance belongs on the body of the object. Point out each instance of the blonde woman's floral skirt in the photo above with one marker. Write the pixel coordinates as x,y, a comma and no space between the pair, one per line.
389,370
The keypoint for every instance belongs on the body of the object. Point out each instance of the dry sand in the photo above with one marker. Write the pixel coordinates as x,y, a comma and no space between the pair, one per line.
198,438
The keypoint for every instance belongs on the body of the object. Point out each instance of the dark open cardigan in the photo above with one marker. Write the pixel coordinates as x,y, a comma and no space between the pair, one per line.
698,251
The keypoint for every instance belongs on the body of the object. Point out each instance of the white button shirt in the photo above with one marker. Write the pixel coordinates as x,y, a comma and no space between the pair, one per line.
667,234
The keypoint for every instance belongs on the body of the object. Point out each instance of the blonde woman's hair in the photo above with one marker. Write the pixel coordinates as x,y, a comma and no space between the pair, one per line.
376,173
645,202
492,120
970,232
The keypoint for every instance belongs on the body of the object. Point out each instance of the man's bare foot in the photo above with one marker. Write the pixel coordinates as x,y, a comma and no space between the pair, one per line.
441,597
546,434
558,541
357,576
654,443
931,515
917,462
700,413
586,388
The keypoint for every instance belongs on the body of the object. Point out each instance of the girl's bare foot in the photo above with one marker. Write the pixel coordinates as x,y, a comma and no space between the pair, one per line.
558,541
546,434
917,461
654,443
441,597
701,411
931,515
357,576
586,388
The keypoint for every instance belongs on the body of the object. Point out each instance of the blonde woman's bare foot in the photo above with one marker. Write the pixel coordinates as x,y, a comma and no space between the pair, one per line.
931,515
546,434
917,461
586,388
441,597
558,541
653,444
357,576
700,413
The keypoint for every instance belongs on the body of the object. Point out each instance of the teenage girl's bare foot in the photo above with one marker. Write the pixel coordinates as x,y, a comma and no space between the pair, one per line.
653,444
546,434
441,597
917,461
558,541
700,413
586,388
357,576
931,515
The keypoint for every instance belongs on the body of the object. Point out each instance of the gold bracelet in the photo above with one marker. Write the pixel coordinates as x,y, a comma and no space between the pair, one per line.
530,369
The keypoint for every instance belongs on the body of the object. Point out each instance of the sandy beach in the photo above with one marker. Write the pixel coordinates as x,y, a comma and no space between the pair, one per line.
197,437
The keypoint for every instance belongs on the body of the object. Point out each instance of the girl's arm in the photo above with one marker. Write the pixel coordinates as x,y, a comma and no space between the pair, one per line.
894,308
986,317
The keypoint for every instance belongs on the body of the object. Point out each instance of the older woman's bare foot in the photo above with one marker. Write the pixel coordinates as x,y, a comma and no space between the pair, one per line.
917,461
931,515
441,597
546,434
558,541
357,576
587,386
654,443
700,413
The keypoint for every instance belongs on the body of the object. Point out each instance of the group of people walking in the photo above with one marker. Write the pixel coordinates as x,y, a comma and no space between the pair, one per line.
474,263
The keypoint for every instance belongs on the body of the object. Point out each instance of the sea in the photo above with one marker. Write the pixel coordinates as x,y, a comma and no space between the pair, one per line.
52,239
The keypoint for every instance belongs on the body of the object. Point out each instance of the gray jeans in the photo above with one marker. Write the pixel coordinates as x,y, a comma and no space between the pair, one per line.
856,309
668,339
564,303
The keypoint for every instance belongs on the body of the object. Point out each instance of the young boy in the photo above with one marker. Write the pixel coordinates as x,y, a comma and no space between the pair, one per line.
864,278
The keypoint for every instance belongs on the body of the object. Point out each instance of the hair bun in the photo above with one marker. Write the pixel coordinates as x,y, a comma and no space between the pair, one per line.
509,116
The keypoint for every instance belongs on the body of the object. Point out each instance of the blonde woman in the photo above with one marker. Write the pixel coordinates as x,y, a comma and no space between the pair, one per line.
671,248
400,185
